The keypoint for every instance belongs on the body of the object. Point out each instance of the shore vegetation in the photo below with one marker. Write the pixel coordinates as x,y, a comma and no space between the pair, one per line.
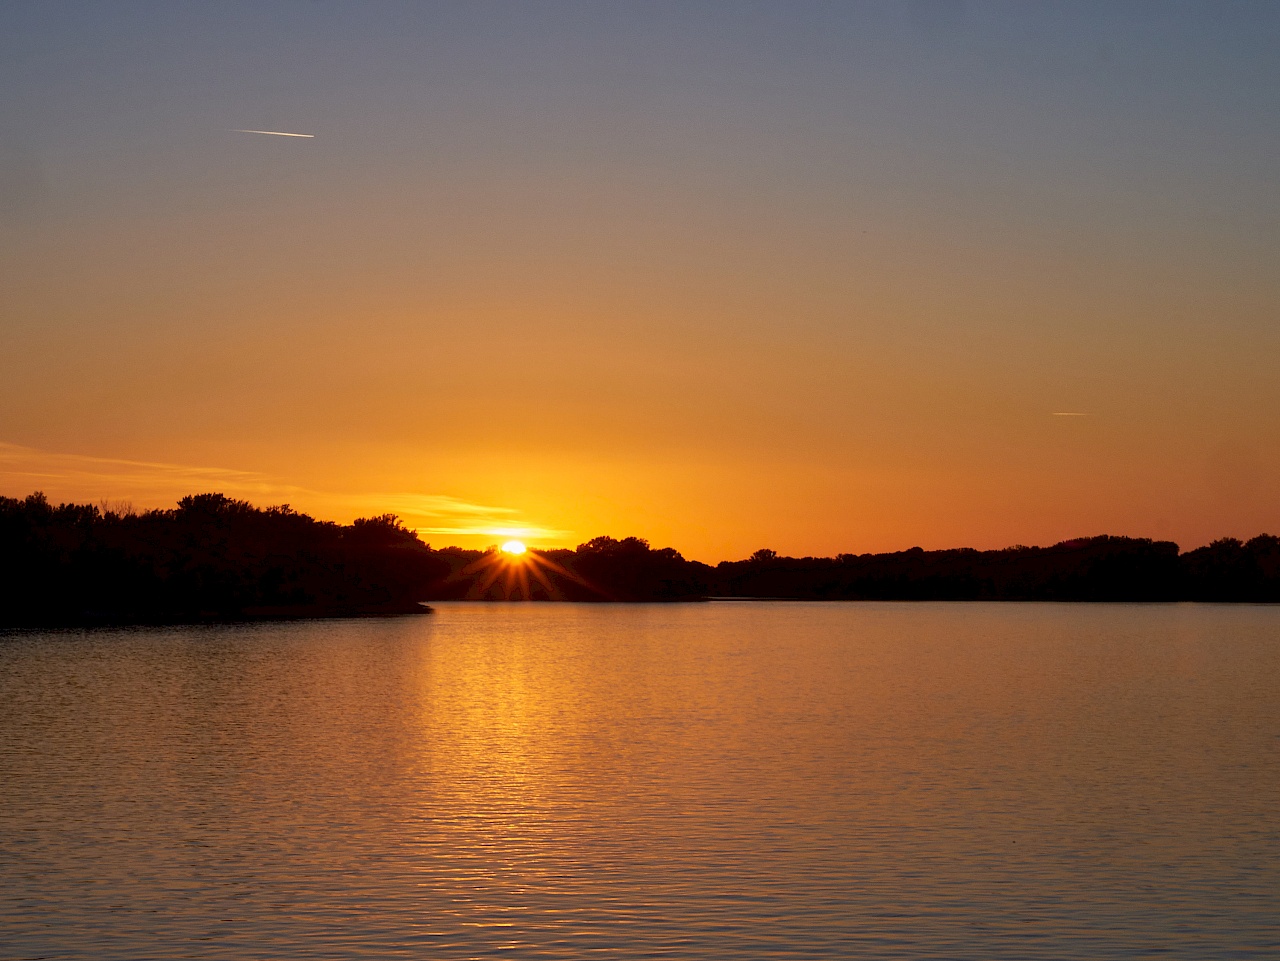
216,558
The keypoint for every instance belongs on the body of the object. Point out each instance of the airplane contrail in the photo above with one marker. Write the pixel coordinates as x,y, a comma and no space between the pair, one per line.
277,133
1069,413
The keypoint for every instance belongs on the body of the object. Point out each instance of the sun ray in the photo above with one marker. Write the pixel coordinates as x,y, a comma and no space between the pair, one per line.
541,578
511,571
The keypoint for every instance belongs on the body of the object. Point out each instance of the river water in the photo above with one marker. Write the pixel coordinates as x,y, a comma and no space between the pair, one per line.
749,780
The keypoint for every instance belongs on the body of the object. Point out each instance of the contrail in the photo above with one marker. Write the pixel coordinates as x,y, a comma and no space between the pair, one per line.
277,133
1069,413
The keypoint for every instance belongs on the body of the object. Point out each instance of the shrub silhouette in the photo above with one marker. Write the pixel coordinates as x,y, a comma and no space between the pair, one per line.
210,557
216,557
1229,570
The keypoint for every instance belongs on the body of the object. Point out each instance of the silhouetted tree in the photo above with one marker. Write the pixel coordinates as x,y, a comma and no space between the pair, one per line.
210,557
1231,570
216,557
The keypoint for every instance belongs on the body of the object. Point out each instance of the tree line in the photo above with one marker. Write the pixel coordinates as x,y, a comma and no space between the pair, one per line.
213,557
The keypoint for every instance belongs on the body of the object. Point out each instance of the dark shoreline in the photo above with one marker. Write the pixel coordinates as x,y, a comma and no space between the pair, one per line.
214,560
92,620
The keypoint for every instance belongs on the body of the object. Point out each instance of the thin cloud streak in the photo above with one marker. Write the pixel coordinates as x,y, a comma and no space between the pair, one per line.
84,478
31,463
1070,413
277,133
524,533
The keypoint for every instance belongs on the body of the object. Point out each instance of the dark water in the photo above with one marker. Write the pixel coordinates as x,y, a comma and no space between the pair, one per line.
716,780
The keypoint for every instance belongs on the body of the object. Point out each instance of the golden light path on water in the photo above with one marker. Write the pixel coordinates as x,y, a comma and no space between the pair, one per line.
701,781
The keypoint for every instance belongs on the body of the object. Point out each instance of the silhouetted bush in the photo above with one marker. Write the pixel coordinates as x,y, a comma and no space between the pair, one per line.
1228,570
630,570
211,557
602,569
1091,569
215,557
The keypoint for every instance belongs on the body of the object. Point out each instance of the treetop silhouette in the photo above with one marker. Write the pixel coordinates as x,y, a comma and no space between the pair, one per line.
214,557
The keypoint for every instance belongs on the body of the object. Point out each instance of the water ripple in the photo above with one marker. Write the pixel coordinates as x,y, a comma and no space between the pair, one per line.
702,781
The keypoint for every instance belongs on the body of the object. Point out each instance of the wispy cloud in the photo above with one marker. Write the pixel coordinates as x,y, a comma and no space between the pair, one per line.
277,133
81,475
148,484
541,534
438,514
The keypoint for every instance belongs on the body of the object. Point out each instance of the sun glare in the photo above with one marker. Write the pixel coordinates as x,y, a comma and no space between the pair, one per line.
513,572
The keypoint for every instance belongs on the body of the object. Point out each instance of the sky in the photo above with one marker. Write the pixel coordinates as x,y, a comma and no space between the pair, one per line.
816,277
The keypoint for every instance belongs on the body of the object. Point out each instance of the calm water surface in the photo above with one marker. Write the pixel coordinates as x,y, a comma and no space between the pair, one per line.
697,781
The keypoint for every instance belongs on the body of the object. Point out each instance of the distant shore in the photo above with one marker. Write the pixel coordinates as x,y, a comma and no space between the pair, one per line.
213,558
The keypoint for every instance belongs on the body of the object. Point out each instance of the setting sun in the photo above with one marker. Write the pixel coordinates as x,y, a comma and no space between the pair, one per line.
513,547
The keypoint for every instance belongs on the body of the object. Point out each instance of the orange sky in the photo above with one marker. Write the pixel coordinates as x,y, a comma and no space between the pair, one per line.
725,282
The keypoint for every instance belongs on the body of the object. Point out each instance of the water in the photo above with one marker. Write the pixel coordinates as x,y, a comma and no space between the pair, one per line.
697,781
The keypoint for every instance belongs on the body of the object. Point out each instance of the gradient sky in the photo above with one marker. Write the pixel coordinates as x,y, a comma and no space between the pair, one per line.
810,276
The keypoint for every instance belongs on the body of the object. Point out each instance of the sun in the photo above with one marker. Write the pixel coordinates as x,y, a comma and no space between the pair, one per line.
511,568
